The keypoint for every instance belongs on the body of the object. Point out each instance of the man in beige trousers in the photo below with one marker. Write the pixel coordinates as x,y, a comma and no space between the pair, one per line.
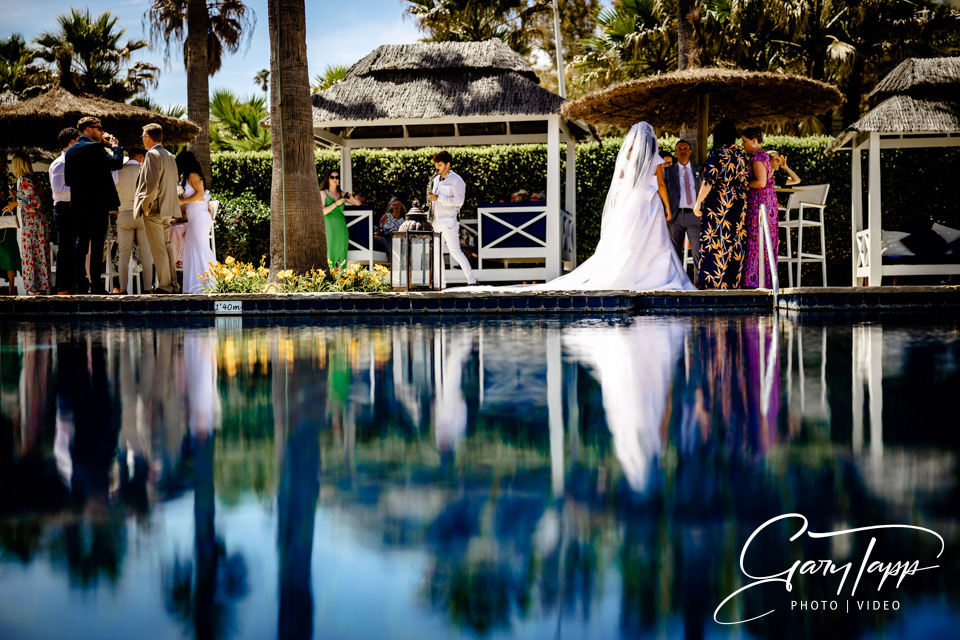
128,226
157,201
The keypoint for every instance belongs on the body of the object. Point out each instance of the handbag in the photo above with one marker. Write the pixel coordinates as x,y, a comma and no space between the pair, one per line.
9,221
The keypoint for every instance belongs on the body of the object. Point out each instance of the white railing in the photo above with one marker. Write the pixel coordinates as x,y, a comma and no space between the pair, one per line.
568,239
360,246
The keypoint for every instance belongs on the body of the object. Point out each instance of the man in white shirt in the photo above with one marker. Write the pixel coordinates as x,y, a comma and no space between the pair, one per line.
128,226
683,182
66,225
447,194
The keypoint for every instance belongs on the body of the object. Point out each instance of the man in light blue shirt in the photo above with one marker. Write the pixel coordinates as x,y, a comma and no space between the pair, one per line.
66,225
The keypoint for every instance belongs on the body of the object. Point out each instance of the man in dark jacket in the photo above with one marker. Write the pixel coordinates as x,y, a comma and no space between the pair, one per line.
87,171
683,182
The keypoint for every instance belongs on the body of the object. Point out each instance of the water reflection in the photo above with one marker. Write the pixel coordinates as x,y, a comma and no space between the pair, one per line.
585,478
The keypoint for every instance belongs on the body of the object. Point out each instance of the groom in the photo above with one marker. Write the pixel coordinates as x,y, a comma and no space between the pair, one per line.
683,182
157,201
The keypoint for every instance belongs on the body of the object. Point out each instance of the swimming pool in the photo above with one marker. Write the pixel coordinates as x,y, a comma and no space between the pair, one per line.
457,477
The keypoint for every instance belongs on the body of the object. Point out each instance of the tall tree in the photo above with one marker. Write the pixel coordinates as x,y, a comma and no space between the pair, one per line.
262,79
513,21
102,64
207,29
18,74
297,238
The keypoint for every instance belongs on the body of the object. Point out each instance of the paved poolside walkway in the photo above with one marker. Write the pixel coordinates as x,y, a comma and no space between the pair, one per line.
833,299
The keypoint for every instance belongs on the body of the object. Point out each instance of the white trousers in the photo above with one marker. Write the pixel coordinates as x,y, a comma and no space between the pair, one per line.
452,238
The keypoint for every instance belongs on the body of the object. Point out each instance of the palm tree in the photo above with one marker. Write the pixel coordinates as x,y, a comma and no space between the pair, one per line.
262,79
297,238
235,122
18,74
513,21
633,38
102,64
331,75
207,30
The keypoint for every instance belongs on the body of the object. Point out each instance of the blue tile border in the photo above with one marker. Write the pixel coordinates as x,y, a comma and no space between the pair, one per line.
456,302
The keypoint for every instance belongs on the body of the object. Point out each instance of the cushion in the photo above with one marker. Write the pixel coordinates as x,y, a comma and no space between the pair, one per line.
926,243
892,243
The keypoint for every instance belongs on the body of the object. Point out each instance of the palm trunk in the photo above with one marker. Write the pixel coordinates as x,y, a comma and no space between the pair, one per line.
854,92
198,80
686,38
297,237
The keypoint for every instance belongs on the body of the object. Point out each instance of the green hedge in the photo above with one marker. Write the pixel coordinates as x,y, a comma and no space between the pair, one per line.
914,187
242,227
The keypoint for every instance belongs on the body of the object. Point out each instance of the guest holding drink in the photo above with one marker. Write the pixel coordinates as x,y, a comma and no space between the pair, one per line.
779,161
34,232
721,204
760,193
335,224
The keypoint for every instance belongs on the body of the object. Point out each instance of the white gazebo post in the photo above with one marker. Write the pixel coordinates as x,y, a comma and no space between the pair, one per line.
346,169
553,197
570,199
856,210
875,245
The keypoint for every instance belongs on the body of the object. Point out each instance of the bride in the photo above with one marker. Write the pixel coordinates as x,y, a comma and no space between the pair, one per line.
197,254
634,251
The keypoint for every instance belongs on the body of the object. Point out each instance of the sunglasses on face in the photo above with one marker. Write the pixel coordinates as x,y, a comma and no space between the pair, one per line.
334,177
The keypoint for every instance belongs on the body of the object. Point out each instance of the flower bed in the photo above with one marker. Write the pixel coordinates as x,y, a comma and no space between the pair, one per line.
240,277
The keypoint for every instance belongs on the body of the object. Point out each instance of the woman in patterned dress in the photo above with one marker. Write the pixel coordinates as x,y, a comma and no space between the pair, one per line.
720,204
33,234
761,192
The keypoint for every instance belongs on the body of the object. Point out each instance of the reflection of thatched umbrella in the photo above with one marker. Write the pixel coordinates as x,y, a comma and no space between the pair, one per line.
703,97
37,121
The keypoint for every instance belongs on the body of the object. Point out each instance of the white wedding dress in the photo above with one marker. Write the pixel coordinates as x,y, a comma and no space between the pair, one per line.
635,366
197,253
634,252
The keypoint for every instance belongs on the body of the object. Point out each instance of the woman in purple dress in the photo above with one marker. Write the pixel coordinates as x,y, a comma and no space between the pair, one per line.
761,192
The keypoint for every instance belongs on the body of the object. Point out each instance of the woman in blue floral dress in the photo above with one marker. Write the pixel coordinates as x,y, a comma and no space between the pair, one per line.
33,233
720,205
761,192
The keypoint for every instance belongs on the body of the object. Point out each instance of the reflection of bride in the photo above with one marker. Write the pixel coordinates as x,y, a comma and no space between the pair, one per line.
634,251
634,366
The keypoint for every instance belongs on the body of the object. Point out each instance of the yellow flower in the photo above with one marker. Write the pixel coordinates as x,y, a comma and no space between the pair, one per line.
251,274
229,277
230,260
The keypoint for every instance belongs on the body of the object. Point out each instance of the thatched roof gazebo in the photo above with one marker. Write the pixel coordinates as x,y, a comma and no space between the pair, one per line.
450,94
37,121
920,109
701,97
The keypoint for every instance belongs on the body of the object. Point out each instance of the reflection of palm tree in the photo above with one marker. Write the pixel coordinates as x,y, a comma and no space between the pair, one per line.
299,489
204,597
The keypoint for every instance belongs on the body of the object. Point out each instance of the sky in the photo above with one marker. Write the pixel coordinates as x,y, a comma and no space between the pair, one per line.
337,33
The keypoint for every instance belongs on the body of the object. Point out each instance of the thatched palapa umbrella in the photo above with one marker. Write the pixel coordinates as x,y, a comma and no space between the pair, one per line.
37,121
702,97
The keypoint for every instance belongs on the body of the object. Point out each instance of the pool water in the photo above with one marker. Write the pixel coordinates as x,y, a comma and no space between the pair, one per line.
502,478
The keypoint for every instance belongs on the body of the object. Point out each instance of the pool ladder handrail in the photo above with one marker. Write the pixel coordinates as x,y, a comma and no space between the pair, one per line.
766,248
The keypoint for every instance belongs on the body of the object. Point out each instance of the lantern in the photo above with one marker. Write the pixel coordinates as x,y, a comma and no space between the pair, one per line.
415,256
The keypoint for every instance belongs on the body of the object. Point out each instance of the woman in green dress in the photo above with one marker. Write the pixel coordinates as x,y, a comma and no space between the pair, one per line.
334,222
9,249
